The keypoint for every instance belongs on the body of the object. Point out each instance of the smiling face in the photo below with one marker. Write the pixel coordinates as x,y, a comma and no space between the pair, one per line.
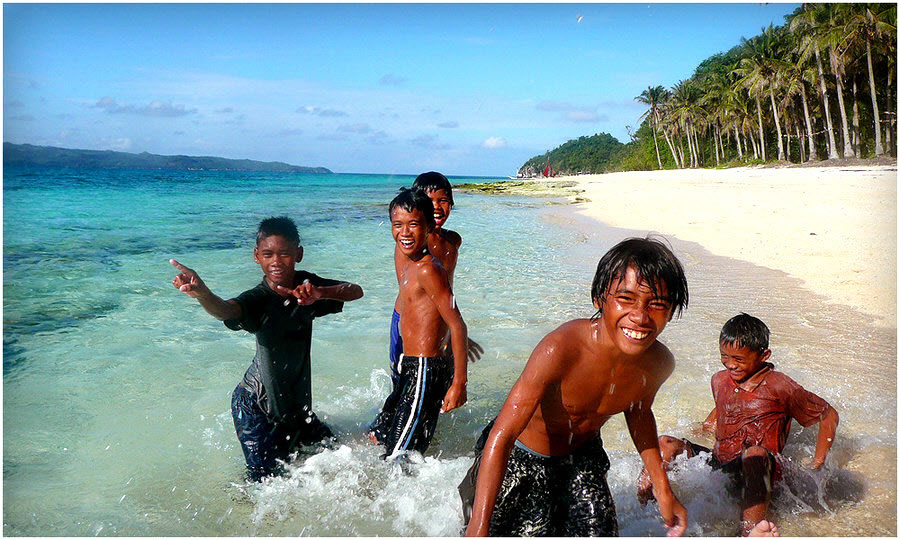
742,362
410,230
633,316
441,201
277,255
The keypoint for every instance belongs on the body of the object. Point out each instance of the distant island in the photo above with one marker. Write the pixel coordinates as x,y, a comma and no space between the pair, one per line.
50,156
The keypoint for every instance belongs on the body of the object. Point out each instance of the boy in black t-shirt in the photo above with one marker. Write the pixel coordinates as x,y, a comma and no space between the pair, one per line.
272,405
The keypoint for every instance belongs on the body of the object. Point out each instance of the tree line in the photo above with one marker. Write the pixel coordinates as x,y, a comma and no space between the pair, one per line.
819,87
822,86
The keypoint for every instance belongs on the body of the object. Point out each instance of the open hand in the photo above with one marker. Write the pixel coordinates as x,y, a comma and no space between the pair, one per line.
674,514
455,397
306,293
475,350
188,281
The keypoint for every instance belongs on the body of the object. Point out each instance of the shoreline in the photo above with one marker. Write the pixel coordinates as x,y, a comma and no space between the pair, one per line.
832,227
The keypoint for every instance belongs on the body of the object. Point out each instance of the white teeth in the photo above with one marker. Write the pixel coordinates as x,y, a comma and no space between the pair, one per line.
634,334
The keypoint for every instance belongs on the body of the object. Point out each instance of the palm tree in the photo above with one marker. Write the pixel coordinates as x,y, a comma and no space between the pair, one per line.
830,33
794,77
805,25
865,25
652,97
758,69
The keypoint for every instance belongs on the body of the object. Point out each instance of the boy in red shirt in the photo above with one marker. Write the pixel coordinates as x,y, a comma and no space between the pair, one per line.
754,408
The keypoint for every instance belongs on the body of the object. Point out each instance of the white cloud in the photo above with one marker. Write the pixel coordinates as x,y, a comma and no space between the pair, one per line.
356,128
451,124
494,143
154,108
583,116
319,111
392,80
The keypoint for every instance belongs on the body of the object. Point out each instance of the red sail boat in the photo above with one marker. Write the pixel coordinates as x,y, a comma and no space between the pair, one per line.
548,170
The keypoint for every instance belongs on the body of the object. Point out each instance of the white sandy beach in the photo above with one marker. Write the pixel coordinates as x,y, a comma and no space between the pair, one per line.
835,228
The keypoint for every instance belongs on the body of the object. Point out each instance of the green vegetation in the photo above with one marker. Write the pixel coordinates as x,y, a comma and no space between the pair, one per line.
584,154
819,87
48,156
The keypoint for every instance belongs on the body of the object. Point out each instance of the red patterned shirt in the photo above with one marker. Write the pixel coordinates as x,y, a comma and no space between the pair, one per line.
758,411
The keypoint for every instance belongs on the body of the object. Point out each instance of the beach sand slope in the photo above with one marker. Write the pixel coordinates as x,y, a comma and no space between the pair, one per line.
835,228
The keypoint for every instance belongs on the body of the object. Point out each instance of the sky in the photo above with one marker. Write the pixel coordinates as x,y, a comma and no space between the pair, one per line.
465,89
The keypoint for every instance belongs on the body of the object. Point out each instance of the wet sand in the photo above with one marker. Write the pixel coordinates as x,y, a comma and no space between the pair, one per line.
834,228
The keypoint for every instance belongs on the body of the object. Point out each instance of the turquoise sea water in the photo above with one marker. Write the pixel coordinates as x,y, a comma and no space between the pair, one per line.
116,387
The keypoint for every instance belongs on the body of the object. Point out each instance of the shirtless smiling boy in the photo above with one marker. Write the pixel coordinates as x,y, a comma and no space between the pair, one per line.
429,381
543,468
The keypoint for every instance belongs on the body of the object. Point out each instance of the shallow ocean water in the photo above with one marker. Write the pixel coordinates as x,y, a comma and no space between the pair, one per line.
117,387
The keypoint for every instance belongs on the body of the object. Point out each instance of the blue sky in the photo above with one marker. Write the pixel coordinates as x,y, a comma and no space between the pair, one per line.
467,89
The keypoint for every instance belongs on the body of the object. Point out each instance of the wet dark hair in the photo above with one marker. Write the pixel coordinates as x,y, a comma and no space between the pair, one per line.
414,199
654,263
433,180
745,331
278,226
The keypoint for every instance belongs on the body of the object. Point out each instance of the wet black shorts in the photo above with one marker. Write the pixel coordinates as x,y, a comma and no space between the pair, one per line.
733,468
548,495
410,414
265,442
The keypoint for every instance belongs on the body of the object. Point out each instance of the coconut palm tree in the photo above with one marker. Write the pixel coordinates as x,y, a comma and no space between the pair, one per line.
804,24
830,33
652,97
866,23
794,76
758,69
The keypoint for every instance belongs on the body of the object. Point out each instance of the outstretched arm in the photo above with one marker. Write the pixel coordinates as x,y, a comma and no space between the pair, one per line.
307,293
642,427
827,430
189,282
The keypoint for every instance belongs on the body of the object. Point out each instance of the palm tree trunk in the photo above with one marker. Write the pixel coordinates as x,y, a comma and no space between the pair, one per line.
656,146
668,141
800,143
832,145
716,142
839,88
879,150
813,156
856,138
762,137
777,124
737,142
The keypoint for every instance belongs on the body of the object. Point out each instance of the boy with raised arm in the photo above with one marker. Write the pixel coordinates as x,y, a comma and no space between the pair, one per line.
272,405
751,420
541,470
430,382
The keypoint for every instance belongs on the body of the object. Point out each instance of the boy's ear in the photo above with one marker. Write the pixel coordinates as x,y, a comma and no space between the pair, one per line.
256,255
596,303
765,355
299,254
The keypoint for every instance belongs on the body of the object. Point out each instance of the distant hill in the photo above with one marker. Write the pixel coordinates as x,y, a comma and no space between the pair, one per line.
50,156
592,154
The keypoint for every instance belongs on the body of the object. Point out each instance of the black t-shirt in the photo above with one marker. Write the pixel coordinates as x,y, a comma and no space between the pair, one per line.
279,376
